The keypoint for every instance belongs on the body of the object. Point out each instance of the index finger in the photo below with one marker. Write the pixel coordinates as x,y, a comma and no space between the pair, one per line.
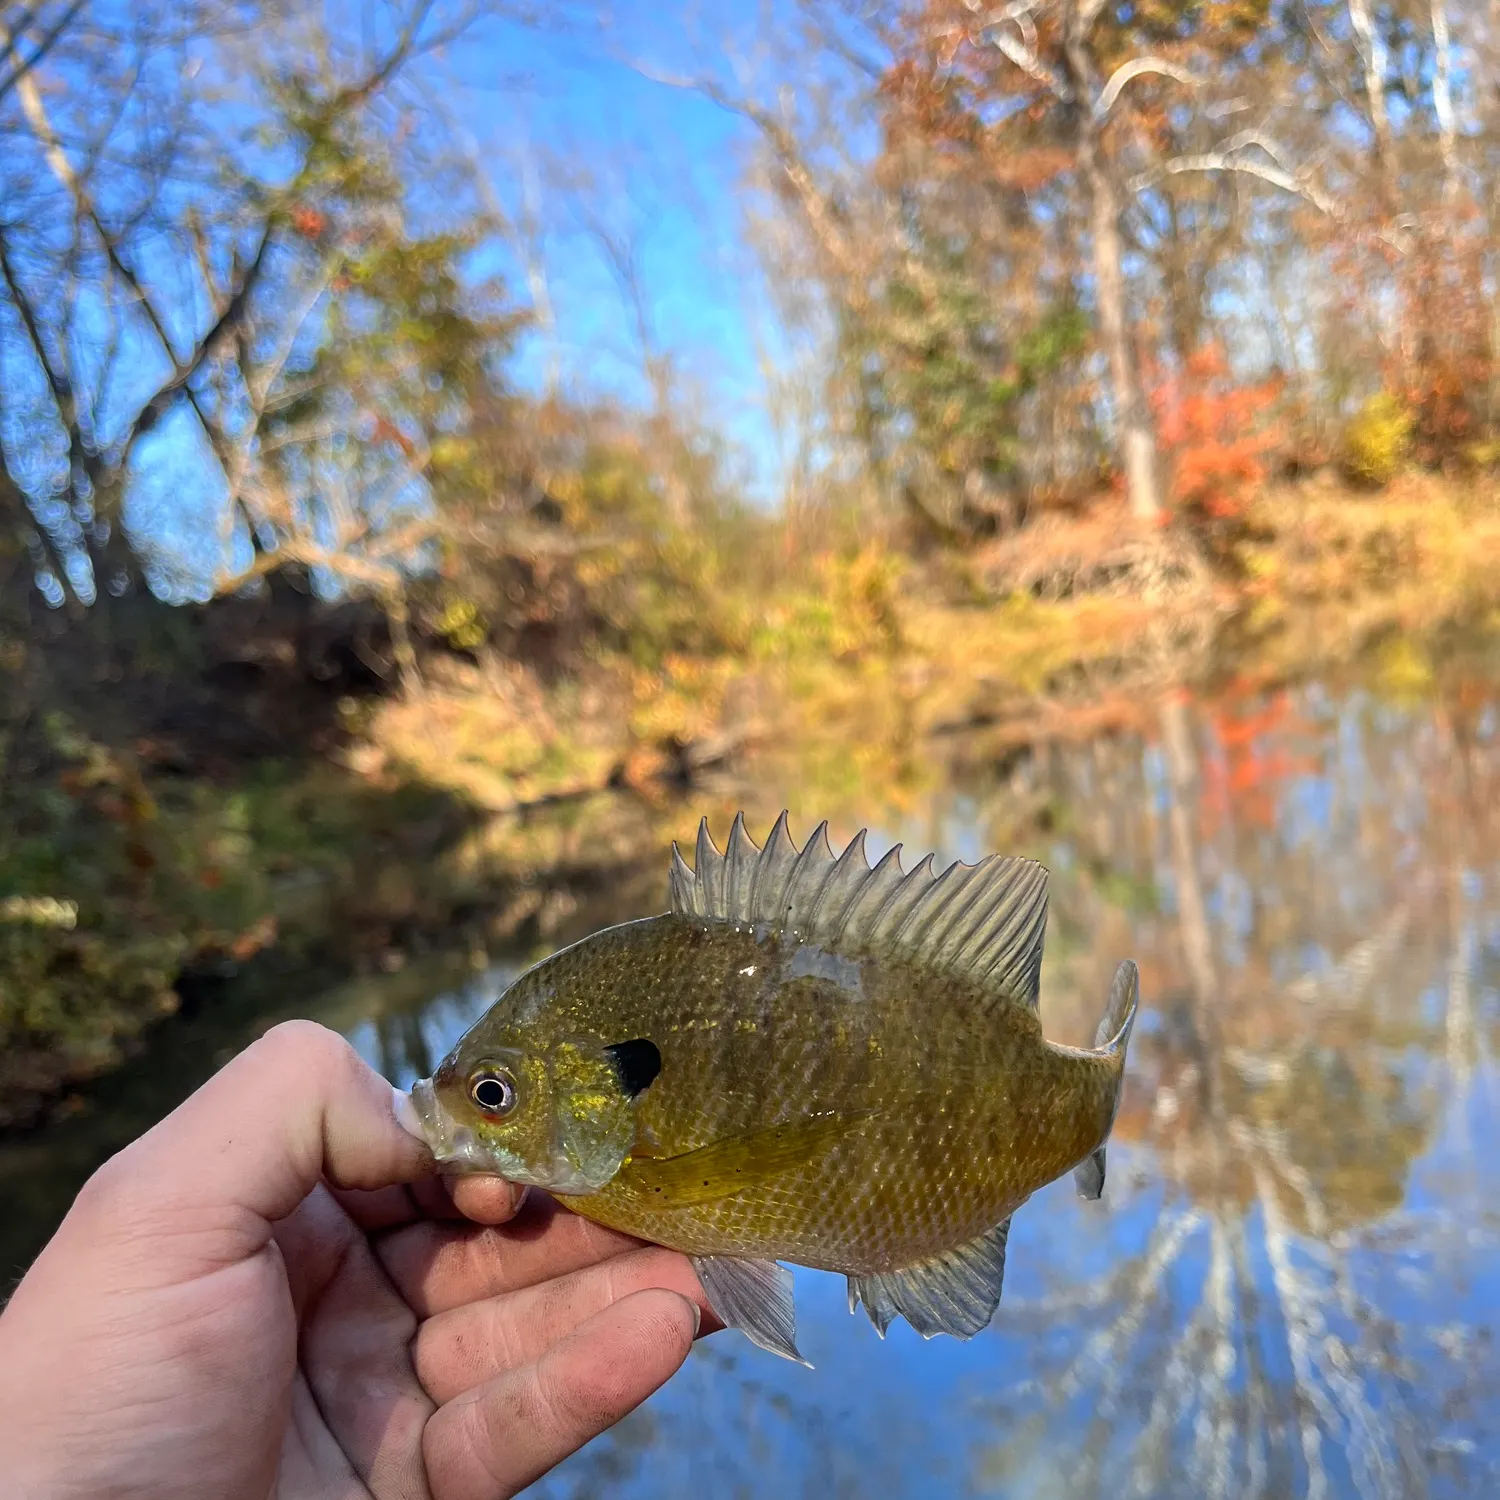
494,1440
437,1267
295,1108
495,1202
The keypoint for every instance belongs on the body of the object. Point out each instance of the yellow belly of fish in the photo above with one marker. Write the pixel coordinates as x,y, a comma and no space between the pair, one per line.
860,1211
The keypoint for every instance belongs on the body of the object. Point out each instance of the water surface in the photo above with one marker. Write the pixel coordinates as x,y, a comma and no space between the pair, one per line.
1288,1288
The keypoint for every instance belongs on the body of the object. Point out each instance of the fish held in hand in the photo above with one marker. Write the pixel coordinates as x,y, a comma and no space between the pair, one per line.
804,1060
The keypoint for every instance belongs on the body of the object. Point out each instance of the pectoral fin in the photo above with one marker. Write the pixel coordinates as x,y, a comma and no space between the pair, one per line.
955,1293
754,1296
729,1166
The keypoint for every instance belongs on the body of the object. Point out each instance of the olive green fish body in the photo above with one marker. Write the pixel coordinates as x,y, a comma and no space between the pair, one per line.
958,1109
806,1059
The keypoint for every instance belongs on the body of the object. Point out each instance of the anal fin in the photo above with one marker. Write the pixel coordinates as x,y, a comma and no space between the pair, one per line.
754,1296
956,1292
1089,1175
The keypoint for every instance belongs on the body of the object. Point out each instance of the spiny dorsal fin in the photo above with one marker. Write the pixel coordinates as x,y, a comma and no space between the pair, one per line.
986,920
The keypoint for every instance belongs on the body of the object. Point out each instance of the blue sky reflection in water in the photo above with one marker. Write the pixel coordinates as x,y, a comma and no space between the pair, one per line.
1288,1289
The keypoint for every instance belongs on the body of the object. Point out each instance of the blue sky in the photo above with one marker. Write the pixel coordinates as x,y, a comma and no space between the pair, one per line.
668,167
663,168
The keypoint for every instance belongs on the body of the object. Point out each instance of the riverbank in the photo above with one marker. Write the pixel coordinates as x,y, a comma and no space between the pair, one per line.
140,876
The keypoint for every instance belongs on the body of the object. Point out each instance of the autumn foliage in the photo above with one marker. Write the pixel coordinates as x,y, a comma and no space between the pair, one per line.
1445,366
1220,436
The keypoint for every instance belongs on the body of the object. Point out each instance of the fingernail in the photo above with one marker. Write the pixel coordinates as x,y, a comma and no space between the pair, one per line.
697,1318
406,1115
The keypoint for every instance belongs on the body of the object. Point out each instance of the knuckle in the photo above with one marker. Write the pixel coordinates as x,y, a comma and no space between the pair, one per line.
113,1193
305,1047
302,1038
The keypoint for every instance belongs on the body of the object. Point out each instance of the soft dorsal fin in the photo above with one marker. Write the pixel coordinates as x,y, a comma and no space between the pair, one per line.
986,920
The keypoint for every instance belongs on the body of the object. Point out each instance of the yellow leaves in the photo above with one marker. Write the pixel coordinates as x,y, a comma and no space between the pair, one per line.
40,911
846,608
1333,570
566,488
461,623
450,451
682,701
1378,440
1403,670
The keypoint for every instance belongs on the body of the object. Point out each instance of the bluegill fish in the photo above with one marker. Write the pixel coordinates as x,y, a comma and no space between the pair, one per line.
805,1060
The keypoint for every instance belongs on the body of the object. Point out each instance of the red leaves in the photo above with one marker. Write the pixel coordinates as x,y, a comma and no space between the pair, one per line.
308,222
1244,783
386,431
1217,433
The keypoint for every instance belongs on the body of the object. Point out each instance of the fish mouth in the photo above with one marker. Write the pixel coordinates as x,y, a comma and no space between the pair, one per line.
457,1149
454,1146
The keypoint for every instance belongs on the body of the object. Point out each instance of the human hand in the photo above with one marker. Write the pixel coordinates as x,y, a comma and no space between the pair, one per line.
268,1294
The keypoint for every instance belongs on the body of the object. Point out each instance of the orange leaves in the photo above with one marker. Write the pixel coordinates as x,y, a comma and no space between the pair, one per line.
948,85
1218,434
1245,782
1437,362
261,933
308,222
1034,168
1445,364
386,431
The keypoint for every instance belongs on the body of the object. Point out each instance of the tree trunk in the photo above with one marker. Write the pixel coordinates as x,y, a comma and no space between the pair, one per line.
1192,910
1373,59
1442,98
1137,440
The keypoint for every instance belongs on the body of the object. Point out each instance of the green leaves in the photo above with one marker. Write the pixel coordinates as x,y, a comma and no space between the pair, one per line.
942,368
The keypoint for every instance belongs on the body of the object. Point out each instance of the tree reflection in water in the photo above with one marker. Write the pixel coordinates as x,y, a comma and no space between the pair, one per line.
1317,971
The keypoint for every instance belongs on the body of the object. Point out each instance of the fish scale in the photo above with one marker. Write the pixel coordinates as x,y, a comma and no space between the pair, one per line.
825,1064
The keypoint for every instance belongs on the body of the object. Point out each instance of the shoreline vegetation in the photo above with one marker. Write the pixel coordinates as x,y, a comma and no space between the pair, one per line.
262,790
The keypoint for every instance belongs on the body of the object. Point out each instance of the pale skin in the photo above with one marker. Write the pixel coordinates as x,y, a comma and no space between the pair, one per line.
272,1294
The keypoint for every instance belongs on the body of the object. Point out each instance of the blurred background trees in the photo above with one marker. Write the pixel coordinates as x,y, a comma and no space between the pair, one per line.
260,298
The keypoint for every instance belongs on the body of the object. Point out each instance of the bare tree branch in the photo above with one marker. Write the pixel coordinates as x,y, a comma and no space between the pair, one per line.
12,39
260,378
63,394
223,327
783,143
1228,161
410,44
1136,68
1021,48
1372,53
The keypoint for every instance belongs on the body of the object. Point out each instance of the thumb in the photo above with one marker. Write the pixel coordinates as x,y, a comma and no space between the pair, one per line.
297,1106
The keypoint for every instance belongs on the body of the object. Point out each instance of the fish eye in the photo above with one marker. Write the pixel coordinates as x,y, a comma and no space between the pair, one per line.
493,1091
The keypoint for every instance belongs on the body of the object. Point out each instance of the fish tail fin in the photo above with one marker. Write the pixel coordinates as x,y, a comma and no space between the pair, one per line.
1110,1041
